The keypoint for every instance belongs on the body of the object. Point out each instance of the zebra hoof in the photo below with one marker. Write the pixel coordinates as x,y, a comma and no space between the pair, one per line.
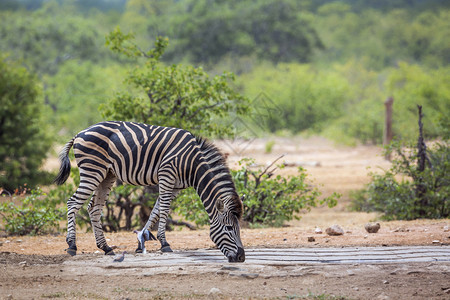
111,252
166,249
71,252
138,250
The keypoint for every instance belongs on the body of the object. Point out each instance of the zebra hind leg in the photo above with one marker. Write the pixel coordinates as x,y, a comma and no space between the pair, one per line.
95,211
74,204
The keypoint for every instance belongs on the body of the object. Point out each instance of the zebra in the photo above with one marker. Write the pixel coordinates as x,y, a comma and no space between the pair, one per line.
143,155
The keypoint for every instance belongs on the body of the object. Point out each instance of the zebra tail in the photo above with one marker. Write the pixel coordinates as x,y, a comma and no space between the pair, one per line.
64,169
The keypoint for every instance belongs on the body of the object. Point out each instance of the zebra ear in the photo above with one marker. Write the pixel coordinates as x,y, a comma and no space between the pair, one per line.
220,206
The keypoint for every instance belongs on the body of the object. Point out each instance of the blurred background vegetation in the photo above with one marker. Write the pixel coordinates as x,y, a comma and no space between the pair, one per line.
325,66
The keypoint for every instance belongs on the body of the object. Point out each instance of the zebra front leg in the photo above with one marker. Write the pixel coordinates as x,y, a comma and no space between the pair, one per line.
145,234
163,214
95,212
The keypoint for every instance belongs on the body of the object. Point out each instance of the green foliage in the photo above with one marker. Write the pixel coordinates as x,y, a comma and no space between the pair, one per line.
382,39
269,146
75,100
277,31
268,200
398,199
35,215
346,102
174,96
62,42
411,85
302,96
189,206
23,142
271,199
49,36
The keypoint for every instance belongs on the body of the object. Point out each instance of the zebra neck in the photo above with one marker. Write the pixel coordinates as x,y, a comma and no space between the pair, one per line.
211,183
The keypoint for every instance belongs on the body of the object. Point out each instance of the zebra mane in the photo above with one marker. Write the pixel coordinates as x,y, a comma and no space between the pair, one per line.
217,161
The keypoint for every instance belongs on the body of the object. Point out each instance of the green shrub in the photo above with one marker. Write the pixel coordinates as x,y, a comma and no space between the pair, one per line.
35,215
269,200
401,200
23,139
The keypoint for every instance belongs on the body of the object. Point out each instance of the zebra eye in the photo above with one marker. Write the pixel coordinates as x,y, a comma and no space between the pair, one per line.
228,228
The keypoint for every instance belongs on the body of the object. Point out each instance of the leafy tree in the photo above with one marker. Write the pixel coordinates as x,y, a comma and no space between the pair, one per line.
49,36
174,96
278,31
23,142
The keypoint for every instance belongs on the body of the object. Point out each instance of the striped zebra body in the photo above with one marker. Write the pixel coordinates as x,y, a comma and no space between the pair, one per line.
141,154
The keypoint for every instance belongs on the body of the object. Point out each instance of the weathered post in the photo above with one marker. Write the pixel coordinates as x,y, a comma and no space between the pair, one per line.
421,188
388,133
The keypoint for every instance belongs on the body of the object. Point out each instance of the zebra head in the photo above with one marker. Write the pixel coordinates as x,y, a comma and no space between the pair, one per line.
225,231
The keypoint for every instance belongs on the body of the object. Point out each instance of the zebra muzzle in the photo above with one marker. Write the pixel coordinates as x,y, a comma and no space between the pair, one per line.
239,257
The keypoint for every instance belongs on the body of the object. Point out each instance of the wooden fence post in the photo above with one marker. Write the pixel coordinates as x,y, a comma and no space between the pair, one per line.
388,133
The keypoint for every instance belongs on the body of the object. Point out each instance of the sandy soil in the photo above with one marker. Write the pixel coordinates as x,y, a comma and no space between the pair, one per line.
31,267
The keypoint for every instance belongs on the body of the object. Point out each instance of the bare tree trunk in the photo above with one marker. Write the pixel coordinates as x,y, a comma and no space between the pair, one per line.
421,188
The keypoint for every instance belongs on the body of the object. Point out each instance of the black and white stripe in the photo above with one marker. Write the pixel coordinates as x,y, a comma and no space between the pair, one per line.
141,154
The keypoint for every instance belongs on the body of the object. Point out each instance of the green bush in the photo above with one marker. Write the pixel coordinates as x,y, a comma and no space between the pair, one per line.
23,141
401,200
35,215
269,200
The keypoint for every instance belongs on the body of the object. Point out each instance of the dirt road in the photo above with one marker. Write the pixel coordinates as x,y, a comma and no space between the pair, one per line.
322,273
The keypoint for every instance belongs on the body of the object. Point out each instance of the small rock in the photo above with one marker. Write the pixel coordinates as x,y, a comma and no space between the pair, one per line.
334,230
446,229
436,242
23,263
385,282
356,289
18,241
249,275
366,236
214,291
311,239
230,268
400,229
318,230
372,227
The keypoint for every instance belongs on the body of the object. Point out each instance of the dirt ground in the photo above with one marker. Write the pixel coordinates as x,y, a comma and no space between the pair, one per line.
33,267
